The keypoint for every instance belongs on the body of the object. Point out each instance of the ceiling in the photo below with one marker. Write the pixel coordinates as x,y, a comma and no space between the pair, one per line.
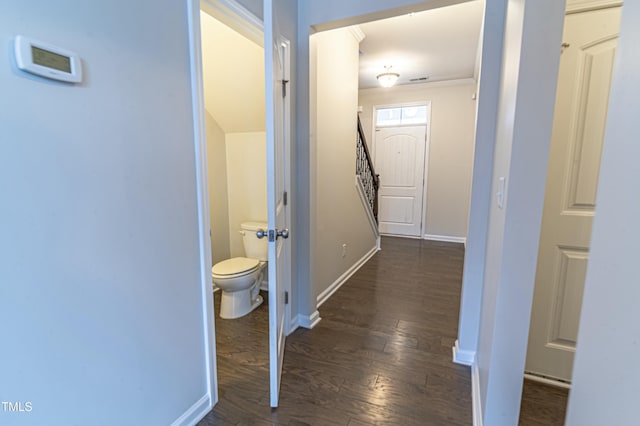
233,74
441,44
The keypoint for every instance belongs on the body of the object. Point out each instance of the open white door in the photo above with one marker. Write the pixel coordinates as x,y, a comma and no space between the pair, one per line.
586,67
276,74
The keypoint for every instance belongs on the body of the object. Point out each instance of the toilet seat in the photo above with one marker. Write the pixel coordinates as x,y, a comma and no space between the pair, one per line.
235,267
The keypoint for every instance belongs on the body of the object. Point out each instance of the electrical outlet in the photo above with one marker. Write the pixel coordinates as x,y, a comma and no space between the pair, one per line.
344,250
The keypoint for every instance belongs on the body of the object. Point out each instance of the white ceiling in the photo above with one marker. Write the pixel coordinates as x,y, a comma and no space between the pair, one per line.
441,44
233,74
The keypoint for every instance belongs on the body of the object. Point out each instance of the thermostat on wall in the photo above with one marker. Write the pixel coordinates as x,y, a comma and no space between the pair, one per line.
46,60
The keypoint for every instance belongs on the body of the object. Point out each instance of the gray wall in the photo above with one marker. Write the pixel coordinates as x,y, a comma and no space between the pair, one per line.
523,132
481,197
102,284
605,375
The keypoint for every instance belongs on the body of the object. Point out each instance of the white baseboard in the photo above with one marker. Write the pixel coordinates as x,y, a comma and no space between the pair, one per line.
476,402
466,357
445,238
306,321
547,381
195,413
463,357
325,295
365,204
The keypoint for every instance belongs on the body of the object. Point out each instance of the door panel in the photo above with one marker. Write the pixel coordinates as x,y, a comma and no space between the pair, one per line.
595,62
400,161
276,71
580,116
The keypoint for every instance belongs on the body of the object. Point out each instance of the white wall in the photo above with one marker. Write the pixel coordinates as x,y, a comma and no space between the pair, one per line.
341,217
218,191
606,376
450,147
524,122
481,196
246,183
103,282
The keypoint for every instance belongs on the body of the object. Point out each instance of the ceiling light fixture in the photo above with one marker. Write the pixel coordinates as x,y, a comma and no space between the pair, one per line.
388,78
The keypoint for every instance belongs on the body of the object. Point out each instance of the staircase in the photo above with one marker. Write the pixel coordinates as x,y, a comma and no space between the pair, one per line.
366,178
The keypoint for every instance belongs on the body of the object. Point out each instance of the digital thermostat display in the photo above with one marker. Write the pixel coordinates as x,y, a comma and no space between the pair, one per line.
50,59
47,60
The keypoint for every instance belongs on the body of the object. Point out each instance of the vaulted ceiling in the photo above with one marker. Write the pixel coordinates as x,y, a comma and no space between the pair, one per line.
233,74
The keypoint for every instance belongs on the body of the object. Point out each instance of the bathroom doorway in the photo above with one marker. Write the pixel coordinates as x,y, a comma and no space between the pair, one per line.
241,156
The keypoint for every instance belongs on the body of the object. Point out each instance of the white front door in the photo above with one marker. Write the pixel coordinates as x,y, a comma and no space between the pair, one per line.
400,162
276,50
580,116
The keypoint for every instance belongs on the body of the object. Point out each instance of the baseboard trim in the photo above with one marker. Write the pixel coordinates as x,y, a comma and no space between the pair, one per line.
445,238
195,413
365,204
463,357
308,321
476,402
547,381
325,295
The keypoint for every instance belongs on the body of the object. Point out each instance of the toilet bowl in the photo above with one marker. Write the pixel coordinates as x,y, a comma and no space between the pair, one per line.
239,278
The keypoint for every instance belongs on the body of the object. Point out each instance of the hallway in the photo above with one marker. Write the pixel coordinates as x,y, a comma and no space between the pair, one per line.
381,354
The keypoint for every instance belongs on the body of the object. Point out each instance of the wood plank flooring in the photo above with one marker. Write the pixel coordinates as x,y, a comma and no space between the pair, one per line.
380,355
542,405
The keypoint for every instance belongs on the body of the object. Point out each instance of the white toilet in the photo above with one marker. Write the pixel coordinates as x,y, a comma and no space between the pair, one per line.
239,278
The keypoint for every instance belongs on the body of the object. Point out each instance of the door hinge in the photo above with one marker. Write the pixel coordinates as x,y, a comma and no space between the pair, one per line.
284,88
285,198
286,297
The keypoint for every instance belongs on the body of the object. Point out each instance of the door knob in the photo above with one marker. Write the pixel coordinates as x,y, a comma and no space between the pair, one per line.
261,233
284,233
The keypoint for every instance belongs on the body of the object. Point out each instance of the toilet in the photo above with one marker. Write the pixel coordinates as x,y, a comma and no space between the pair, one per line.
239,278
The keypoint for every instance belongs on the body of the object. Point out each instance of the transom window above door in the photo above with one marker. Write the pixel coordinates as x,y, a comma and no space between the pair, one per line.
401,116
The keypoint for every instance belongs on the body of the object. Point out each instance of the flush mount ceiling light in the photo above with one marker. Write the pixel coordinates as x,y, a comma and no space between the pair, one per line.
387,78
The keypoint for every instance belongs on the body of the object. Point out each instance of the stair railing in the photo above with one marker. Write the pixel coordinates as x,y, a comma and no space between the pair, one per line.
364,168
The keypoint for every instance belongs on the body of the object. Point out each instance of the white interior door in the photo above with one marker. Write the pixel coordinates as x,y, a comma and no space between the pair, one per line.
400,162
580,116
277,76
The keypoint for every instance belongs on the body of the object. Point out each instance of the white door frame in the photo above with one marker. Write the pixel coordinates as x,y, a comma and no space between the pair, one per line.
200,141
286,45
237,17
425,182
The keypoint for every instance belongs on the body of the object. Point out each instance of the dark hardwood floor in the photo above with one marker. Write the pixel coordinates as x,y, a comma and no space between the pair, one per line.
380,355
542,405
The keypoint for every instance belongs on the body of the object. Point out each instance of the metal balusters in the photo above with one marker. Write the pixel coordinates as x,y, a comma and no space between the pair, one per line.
364,168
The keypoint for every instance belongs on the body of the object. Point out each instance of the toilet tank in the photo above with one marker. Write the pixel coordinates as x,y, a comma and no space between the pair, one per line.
254,247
